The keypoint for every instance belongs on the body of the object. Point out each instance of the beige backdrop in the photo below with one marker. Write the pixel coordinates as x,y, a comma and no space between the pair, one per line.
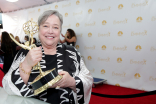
116,38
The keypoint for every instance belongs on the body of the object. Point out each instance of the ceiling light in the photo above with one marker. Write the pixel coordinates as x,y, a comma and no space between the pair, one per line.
12,0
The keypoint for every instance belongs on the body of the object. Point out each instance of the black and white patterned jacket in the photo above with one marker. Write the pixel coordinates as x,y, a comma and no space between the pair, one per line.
68,59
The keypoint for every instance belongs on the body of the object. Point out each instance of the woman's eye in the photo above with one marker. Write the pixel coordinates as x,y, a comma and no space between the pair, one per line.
45,26
56,27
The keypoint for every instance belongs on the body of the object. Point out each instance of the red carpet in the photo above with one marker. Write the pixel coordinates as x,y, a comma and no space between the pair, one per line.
1,75
115,90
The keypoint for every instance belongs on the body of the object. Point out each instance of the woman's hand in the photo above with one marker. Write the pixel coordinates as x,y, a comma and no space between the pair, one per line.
62,35
66,81
33,57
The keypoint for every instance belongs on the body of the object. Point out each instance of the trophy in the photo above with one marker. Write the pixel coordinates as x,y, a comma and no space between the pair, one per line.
45,79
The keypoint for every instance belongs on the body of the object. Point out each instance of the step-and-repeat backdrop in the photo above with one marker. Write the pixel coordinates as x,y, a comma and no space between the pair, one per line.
116,38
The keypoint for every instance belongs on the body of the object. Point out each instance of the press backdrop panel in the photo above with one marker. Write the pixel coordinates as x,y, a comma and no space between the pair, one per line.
116,38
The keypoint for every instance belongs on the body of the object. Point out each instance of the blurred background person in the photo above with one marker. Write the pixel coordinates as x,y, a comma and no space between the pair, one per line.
17,39
34,40
9,49
26,40
69,38
17,47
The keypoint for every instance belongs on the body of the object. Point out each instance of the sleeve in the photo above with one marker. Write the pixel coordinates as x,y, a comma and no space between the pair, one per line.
2,47
12,82
84,81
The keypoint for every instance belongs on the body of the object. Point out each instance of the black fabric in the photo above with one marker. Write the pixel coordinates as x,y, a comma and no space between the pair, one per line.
51,61
52,93
67,58
71,43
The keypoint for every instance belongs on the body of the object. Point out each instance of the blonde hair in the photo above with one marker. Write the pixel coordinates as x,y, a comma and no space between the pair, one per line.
17,38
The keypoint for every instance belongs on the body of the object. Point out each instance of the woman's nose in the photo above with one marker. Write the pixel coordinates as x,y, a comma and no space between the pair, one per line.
50,30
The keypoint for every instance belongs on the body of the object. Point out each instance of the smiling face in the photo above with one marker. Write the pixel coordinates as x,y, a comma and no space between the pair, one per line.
49,32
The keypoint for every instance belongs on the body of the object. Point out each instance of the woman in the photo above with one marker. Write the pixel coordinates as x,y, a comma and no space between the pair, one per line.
34,40
76,84
70,37
9,49
17,47
26,38
17,39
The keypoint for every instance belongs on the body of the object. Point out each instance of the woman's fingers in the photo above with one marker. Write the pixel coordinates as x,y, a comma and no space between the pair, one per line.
34,56
66,81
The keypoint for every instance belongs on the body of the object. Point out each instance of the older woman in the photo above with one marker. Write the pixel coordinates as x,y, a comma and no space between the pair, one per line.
76,84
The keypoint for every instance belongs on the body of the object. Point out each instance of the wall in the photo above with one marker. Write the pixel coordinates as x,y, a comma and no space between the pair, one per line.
116,38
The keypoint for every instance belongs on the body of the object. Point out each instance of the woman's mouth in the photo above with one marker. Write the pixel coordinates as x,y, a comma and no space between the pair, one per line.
49,37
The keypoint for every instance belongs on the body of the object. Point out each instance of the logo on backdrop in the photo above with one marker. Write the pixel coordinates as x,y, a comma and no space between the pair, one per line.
47,8
106,60
119,74
138,62
92,71
104,22
120,33
140,4
105,9
32,11
103,71
80,35
77,46
56,6
89,34
106,34
143,89
78,13
119,60
66,26
89,57
91,48
120,48
153,18
77,2
139,19
153,49
90,24
103,47
120,6
117,84
152,78
139,33
66,5
77,25
66,14
138,48
88,1
137,76
39,10
120,22
90,11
